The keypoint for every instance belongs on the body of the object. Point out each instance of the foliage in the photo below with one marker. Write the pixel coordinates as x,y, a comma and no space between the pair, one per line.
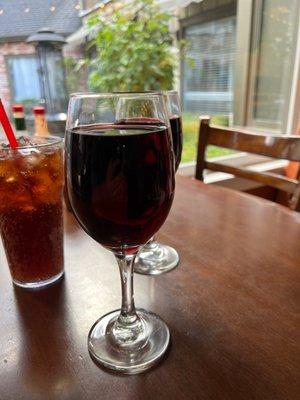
133,49
73,70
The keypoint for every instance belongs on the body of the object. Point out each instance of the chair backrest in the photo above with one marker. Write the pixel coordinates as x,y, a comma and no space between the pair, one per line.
277,146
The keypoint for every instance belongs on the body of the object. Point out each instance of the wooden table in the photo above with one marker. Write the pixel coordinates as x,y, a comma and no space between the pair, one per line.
231,307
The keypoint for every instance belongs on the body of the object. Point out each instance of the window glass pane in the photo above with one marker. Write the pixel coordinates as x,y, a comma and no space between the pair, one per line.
275,62
55,75
208,79
24,78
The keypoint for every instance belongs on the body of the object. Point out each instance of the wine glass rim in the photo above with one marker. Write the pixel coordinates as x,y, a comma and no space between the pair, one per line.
114,94
150,92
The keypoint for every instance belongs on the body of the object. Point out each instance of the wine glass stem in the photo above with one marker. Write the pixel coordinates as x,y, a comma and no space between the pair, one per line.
128,314
151,245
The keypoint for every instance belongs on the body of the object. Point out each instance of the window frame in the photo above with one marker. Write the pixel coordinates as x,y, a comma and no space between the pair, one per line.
249,18
241,86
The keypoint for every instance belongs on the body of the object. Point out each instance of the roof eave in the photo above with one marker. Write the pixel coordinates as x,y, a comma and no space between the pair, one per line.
12,39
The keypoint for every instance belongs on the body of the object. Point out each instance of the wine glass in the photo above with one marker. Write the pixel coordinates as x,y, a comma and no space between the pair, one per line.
156,258
120,182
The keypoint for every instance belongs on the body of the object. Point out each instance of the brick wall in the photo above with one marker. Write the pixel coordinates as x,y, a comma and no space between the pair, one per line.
74,51
10,49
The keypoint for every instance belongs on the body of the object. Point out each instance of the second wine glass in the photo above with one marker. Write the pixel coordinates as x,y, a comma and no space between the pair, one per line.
157,258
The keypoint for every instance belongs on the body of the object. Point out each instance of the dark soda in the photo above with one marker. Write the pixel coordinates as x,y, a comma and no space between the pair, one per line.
31,221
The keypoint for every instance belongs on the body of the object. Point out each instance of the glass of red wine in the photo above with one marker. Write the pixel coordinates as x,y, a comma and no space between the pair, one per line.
156,258
120,183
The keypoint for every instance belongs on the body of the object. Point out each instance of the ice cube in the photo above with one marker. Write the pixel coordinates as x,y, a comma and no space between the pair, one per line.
4,146
28,208
3,150
35,159
11,179
24,141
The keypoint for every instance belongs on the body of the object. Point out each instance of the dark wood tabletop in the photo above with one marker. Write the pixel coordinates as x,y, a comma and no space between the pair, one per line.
231,307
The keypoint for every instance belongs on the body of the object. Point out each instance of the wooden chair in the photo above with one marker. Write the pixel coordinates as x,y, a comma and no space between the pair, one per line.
277,146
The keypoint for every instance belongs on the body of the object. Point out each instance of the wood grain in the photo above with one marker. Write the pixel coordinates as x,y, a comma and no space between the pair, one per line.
276,146
267,178
271,145
232,307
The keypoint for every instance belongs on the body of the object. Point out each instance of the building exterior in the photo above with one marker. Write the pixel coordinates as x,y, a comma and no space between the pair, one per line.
19,72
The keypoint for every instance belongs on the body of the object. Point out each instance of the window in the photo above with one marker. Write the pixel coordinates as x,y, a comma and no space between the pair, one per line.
274,37
207,83
24,79
247,65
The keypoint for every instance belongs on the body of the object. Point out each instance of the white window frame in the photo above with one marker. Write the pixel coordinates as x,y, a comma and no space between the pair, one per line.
293,120
249,14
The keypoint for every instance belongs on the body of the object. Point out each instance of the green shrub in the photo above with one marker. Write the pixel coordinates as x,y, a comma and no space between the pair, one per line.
133,49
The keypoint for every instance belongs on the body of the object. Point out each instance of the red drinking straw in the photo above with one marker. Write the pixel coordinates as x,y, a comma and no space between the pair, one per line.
7,127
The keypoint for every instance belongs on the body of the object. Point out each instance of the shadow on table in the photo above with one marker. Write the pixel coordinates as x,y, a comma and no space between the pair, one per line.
211,371
44,356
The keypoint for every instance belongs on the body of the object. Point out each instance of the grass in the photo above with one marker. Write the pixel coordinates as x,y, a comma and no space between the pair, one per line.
190,137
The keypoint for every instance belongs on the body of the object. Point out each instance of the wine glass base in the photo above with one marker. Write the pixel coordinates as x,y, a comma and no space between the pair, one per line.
156,261
131,359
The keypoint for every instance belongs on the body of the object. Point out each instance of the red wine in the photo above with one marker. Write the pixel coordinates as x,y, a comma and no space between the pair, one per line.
176,127
120,182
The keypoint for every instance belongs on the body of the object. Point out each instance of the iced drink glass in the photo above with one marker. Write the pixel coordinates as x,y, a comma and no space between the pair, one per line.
31,218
